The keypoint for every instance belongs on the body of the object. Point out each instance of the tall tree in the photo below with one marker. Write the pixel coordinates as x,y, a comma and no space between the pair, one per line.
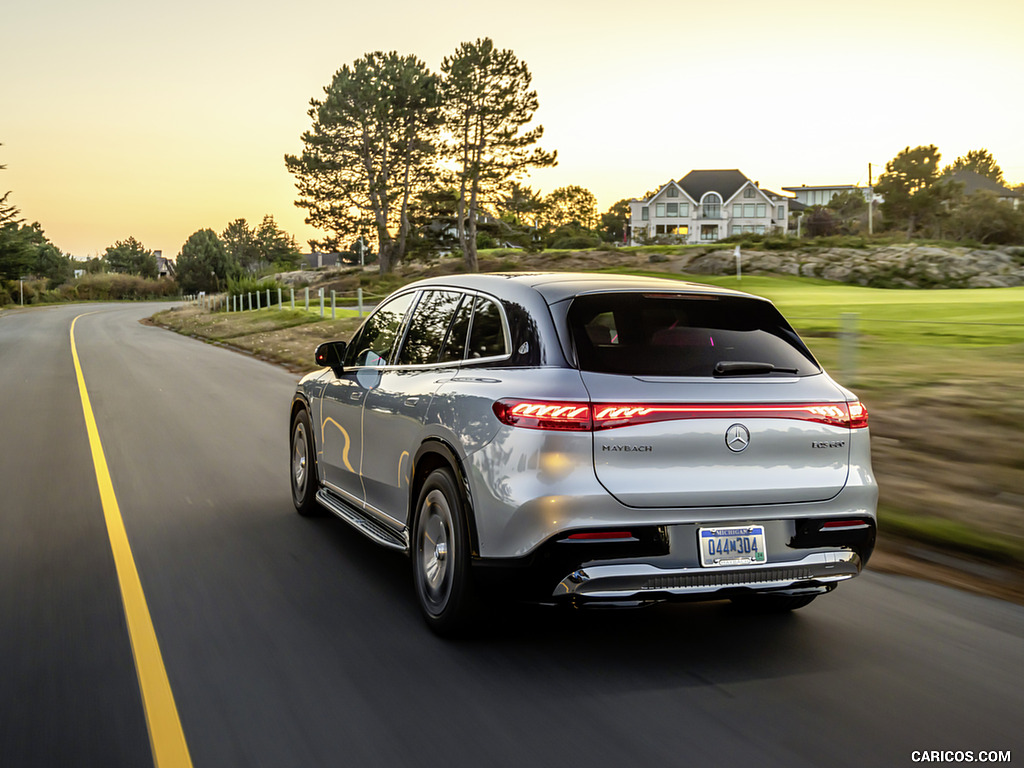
240,243
570,205
276,246
980,161
487,104
8,212
131,258
613,222
520,204
204,263
371,147
911,188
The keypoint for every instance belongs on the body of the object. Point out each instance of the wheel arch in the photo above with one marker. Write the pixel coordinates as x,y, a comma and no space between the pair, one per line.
436,454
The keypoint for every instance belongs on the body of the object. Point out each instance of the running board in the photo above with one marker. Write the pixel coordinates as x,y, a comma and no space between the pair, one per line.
366,525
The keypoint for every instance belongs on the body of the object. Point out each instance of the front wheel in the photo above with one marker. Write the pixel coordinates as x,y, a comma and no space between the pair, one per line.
441,556
303,467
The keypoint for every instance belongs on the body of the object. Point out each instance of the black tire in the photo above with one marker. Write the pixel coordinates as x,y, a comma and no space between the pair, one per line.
772,603
302,467
440,554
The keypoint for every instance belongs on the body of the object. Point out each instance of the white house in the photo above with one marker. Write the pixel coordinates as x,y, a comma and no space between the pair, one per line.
705,206
823,195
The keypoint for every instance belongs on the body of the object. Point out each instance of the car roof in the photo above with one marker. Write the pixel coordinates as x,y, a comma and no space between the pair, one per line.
558,286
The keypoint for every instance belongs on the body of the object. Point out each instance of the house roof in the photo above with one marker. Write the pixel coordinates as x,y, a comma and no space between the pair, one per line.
975,182
725,182
840,187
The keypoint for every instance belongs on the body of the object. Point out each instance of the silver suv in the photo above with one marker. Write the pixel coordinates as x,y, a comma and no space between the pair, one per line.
588,438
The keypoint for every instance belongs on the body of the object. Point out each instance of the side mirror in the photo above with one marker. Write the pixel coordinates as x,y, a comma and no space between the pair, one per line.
331,354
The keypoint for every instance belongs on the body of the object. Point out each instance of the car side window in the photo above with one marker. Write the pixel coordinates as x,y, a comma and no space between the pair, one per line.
427,329
376,340
487,336
454,348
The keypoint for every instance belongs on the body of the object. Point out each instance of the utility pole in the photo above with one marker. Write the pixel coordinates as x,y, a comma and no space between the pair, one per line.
871,197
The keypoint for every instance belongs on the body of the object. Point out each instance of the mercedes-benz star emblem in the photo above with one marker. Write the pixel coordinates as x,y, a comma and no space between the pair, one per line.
737,438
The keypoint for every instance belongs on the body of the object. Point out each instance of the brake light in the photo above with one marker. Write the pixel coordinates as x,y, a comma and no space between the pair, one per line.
609,416
858,415
577,416
543,415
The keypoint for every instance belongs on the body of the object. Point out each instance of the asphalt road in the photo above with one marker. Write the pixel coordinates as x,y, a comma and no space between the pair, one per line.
294,642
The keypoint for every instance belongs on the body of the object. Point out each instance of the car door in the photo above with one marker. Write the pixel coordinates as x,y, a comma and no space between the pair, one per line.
396,410
341,429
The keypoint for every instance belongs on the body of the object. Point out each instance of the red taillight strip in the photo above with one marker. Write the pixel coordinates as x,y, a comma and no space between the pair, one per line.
534,414
562,415
609,416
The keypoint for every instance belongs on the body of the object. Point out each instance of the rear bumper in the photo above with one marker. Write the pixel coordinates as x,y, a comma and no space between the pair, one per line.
641,582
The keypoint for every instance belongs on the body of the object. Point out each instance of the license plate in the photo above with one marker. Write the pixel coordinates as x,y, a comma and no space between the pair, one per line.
735,545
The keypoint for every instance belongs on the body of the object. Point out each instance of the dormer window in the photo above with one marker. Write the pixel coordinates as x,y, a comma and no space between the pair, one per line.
749,192
672,192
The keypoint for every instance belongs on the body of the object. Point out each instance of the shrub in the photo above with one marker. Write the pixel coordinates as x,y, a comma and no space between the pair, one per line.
575,243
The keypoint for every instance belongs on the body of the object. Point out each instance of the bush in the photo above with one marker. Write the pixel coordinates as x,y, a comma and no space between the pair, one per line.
575,243
112,286
249,284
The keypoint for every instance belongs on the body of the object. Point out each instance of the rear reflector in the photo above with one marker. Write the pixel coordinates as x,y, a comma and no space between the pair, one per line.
586,417
600,535
843,525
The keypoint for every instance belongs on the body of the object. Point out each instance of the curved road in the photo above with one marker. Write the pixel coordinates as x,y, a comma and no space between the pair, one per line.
294,642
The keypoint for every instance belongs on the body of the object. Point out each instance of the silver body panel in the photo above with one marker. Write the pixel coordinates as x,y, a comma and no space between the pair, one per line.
528,487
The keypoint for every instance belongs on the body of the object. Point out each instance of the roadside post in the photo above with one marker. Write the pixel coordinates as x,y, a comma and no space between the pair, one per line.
268,298
292,292
359,298
307,298
258,303
739,265
333,300
321,302
280,303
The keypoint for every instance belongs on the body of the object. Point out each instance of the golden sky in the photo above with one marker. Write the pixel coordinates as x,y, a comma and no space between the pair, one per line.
126,118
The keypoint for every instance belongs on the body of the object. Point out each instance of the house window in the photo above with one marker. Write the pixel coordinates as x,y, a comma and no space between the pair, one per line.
737,211
672,192
644,214
712,209
748,210
659,210
749,192
735,229
762,210
684,209
782,213
673,209
708,231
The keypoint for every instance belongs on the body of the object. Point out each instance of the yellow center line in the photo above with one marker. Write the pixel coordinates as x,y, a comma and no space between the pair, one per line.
166,737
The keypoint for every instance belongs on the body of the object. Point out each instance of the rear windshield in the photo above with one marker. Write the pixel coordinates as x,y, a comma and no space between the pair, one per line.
666,334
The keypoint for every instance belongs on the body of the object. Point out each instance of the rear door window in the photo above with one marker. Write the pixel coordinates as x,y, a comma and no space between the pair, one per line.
666,334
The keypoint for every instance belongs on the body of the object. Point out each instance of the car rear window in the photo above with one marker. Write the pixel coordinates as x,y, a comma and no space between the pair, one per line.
668,334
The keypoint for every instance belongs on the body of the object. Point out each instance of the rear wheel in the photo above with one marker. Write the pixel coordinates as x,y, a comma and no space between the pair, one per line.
441,556
303,467
772,603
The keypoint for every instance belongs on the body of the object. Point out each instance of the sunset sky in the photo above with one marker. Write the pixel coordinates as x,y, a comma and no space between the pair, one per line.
119,117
